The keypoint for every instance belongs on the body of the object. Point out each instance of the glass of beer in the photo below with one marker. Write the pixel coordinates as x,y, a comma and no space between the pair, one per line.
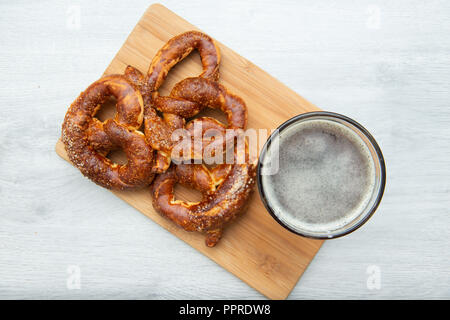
321,175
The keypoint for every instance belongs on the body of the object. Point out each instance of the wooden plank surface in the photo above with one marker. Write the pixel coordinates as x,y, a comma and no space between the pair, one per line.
255,248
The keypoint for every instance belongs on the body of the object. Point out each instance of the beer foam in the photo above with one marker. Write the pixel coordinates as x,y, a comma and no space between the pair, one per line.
326,177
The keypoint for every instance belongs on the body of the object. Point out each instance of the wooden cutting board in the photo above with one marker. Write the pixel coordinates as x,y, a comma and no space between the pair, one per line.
255,248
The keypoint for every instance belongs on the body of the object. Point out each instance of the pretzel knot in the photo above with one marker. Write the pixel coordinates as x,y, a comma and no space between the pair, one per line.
87,140
159,130
226,189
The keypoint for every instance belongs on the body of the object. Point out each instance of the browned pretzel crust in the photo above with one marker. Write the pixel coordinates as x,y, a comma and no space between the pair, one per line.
227,187
191,95
178,48
226,190
159,130
87,140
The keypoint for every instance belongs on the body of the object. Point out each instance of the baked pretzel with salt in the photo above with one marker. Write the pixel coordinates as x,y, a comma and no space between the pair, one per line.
188,97
87,140
225,188
206,93
159,130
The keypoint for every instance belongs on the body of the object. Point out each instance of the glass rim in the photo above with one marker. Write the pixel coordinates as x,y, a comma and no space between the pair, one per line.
379,155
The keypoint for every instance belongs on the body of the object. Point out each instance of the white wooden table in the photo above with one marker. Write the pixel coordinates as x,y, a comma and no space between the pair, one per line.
384,63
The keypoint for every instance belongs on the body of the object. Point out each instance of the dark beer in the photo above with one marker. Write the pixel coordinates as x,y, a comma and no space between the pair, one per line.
327,179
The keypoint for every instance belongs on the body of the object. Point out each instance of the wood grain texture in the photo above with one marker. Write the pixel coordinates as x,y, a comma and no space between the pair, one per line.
255,248
384,63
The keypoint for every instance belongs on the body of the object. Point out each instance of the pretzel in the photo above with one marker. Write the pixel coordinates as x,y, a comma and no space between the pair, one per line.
159,130
226,190
189,96
199,93
227,187
178,48
87,140
203,93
